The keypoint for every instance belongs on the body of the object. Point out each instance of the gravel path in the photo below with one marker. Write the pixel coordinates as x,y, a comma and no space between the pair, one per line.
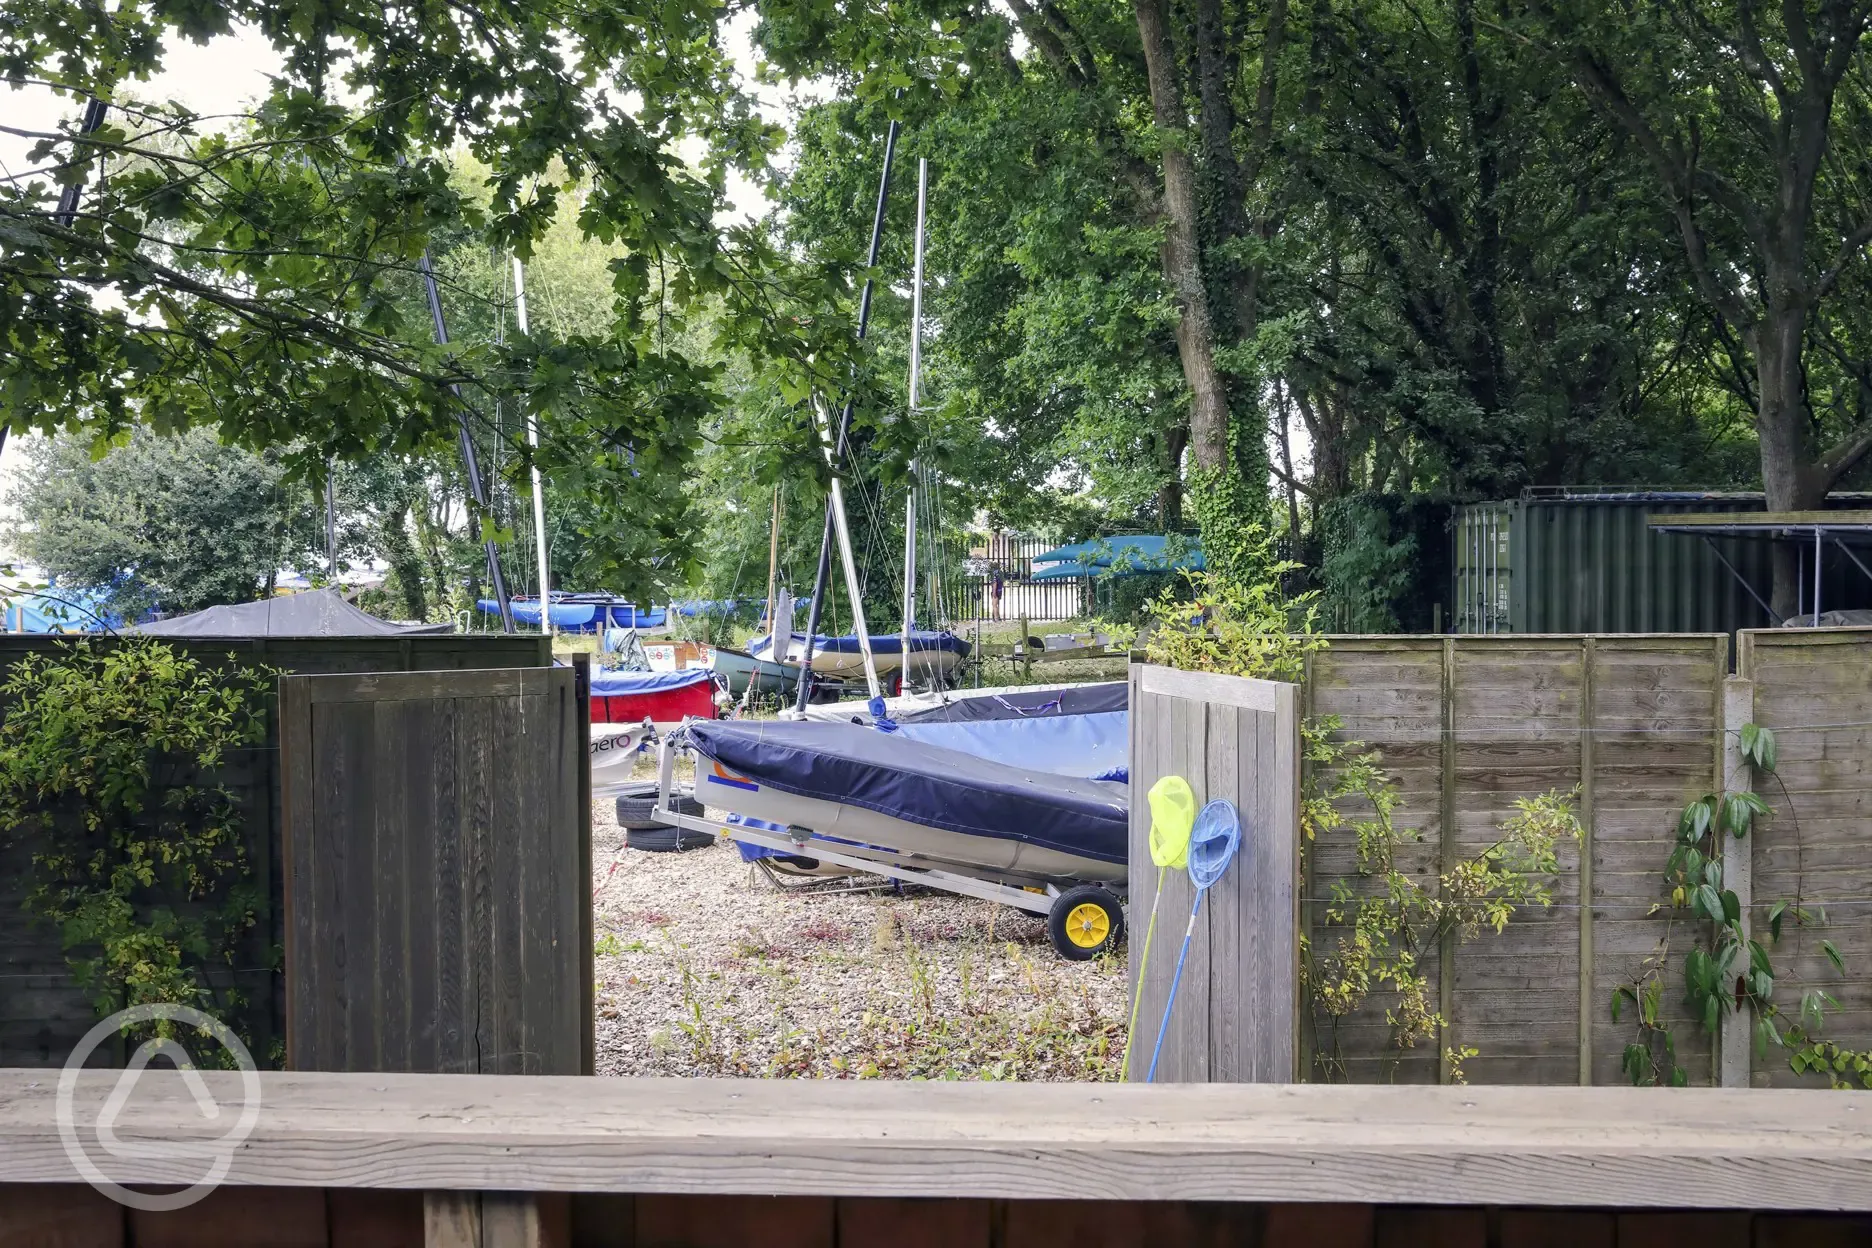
704,968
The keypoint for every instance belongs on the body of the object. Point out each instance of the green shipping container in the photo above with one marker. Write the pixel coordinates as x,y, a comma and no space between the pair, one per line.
1589,563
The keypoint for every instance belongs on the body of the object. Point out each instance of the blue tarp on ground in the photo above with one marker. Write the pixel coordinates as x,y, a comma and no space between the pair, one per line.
881,643
923,784
607,682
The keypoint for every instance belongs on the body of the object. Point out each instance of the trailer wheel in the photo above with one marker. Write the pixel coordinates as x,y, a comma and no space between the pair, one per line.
1085,922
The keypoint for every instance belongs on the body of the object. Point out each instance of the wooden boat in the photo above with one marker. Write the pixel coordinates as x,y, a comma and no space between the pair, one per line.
741,669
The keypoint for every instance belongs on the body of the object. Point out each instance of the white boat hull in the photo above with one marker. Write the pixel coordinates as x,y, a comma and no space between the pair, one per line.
889,839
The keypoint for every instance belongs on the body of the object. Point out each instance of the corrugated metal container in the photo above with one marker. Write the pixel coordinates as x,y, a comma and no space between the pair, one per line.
1589,563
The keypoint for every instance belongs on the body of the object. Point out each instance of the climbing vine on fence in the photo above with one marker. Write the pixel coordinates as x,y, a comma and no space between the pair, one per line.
1726,968
1389,918
113,758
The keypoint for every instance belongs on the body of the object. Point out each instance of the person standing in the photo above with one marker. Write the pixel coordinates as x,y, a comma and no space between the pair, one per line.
996,583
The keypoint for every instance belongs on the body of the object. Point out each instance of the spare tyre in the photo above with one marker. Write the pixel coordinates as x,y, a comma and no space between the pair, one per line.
664,839
640,812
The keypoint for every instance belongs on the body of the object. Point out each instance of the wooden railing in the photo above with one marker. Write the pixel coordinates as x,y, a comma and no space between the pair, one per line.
499,1161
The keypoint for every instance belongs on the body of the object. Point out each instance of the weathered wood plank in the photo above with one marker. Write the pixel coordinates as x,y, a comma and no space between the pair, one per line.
886,1222
237,1217
736,1222
1188,1040
374,1218
445,927
59,1215
1430,1228
1231,998
1583,1147
1255,695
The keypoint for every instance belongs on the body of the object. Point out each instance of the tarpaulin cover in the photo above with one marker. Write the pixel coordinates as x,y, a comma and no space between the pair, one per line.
610,681
1028,704
661,697
60,610
579,613
1097,747
924,784
881,643
316,613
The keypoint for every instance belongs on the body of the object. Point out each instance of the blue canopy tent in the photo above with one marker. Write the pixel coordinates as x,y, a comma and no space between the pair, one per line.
55,610
1124,555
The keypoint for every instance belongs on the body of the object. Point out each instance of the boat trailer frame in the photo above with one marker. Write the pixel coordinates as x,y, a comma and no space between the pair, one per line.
1040,903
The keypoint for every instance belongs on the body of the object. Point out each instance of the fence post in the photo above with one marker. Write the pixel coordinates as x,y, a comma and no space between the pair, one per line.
1589,993
1026,654
1446,855
1237,1014
1738,708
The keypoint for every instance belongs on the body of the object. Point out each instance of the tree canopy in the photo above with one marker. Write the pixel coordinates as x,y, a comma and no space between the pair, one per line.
1230,266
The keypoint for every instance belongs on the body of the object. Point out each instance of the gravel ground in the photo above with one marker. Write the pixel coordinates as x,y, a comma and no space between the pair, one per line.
704,968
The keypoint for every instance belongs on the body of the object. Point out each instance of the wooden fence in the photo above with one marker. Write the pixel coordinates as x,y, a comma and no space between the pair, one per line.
1237,1009
43,1013
437,840
1640,725
341,1161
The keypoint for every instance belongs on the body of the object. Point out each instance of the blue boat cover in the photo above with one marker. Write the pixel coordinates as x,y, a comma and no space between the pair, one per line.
580,613
616,682
924,784
881,643
1029,704
1094,746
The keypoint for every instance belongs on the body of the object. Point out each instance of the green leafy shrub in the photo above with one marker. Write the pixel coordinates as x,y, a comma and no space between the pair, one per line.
113,760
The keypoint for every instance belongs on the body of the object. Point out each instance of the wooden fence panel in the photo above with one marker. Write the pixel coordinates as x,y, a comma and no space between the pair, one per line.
1657,718
434,841
1236,1017
43,1013
1389,693
1514,996
1814,688
1464,727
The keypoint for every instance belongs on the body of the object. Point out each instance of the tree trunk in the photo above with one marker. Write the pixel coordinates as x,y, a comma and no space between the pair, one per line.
1181,256
1789,479
1170,494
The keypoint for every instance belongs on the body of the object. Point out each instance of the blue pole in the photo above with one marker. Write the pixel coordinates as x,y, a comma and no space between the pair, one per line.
1176,981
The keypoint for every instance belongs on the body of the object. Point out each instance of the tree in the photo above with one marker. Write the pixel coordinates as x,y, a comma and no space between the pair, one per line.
1756,121
178,522
253,280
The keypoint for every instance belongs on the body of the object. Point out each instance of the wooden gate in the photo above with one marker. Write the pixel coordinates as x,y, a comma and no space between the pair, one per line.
437,855
1237,1008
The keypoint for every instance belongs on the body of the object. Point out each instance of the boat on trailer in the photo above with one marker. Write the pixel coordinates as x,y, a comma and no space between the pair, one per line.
935,803
933,655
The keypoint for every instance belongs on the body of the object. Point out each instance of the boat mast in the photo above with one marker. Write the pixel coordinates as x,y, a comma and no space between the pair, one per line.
852,589
916,369
477,488
824,572
773,578
539,487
